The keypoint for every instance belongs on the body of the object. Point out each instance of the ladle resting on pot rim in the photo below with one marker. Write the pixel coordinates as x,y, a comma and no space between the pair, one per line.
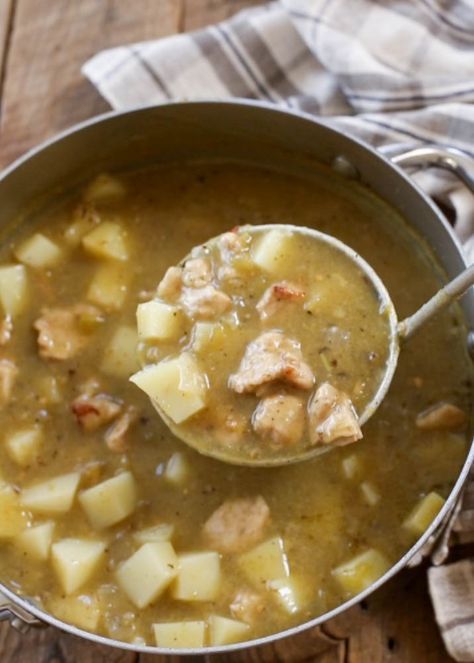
272,344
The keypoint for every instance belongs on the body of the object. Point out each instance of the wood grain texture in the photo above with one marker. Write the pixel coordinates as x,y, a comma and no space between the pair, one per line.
42,46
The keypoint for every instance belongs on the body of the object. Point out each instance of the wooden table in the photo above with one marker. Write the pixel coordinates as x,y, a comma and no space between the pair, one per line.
42,45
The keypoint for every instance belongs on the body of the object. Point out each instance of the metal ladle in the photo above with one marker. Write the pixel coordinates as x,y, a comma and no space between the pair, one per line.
399,332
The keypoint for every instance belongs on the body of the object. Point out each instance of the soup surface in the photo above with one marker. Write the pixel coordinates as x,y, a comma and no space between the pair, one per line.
264,345
112,524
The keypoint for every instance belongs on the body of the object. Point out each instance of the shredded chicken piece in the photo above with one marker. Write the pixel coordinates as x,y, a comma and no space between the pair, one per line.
197,273
232,244
60,335
277,295
205,303
6,328
116,436
228,425
237,524
92,412
171,283
271,357
280,418
332,418
247,606
442,416
8,375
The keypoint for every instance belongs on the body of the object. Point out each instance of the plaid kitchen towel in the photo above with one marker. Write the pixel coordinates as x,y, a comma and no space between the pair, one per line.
396,73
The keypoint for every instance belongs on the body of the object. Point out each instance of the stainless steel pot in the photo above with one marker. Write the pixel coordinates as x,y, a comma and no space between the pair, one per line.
256,133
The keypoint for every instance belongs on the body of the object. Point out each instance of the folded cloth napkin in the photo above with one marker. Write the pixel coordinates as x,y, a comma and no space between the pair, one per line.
396,74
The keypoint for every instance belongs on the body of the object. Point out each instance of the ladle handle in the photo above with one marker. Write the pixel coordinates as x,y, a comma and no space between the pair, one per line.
445,296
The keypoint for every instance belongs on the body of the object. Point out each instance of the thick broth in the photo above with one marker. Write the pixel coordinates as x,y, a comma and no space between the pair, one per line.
327,512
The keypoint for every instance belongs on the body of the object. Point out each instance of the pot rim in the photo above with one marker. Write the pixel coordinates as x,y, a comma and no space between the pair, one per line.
44,616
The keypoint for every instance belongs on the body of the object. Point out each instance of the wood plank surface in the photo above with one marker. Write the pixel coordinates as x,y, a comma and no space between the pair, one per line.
42,46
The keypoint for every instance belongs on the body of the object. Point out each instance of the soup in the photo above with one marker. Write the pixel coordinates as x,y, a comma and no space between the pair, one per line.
111,523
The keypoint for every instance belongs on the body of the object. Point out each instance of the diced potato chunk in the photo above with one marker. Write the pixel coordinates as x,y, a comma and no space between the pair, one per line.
180,634
360,572
36,541
12,518
107,240
266,562
39,251
23,446
351,466
75,561
291,593
225,631
120,356
111,501
177,386
177,469
157,321
423,514
53,496
82,611
199,577
146,574
370,493
271,252
109,286
104,188
13,289
207,336
75,232
161,532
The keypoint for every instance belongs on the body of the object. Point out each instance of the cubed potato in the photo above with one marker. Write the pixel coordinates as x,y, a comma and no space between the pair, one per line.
271,250
266,562
147,573
423,514
79,227
199,577
360,572
154,534
157,321
177,469
370,494
351,466
38,251
177,385
120,355
36,541
12,518
13,289
108,240
292,594
182,635
75,561
225,631
109,287
23,445
105,188
82,611
111,501
53,496
207,336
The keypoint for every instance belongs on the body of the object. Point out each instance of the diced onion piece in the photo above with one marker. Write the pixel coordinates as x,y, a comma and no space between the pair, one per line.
199,577
53,496
38,251
107,240
154,534
177,469
110,501
423,514
290,594
13,289
362,571
351,466
370,493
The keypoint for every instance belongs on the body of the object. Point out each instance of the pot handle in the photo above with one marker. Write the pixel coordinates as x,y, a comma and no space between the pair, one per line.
19,618
448,158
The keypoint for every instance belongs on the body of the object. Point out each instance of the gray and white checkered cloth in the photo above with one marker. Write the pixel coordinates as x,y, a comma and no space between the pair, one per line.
395,73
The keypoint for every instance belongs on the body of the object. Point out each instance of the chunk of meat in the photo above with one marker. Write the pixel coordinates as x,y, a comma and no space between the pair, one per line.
332,418
197,273
247,606
237,524
205,303
8,375
232,244
277,295
116,436
170,285
280,418
228,425
60,334
442,416
95,411
269,358
6,329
